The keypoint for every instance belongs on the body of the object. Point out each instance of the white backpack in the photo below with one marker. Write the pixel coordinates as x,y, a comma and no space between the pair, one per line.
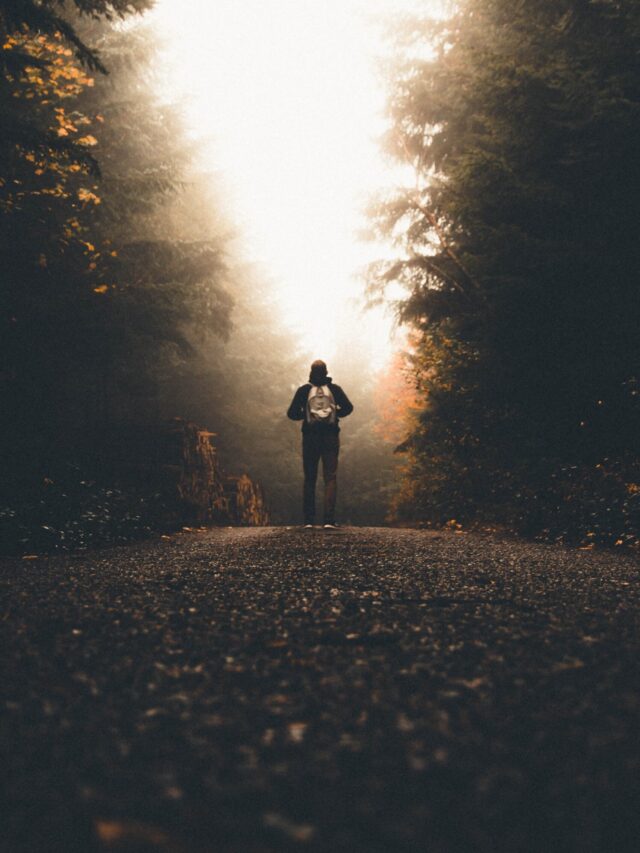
321,407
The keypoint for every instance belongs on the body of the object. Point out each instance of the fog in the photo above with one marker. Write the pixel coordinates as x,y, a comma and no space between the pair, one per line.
285,99
284,102
185,252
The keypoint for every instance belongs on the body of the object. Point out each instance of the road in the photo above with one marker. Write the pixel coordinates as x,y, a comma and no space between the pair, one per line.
369,690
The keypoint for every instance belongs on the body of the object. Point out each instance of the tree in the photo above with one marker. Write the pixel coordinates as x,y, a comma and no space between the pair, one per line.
517,244
37,39
98,293
47,190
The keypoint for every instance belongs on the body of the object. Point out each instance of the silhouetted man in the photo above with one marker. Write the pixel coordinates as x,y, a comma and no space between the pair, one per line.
320,404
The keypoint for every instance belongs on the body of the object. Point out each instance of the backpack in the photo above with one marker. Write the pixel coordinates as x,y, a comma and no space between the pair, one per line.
321,407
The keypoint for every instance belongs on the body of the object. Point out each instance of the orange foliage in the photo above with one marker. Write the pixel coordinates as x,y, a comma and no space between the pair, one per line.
55,178
55,81
396,400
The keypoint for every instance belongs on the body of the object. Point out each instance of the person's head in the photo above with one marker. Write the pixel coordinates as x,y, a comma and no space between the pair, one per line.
318,372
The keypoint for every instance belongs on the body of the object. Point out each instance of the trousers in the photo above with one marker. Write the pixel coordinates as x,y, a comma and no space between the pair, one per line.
316,446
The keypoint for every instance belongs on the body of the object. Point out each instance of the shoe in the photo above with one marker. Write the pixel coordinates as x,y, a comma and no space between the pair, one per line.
308,527
330,526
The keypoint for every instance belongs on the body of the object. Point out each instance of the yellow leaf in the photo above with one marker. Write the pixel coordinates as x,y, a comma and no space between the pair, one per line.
102,288
85,195
88,140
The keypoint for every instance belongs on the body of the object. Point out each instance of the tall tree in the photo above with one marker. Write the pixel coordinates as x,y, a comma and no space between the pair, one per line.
517,244
98,292
47,190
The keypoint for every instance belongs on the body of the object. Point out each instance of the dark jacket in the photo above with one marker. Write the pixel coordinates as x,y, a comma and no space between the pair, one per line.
297,409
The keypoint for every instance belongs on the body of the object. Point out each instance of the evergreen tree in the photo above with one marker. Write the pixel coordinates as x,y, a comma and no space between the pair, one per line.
517,247
47,190
98,292
37,36
123,292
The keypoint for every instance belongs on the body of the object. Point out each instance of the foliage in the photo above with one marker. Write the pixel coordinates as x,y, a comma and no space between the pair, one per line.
50,16
125,300
518,253
164,477
368,468
124,297
241,387
97,292
74,514
42,60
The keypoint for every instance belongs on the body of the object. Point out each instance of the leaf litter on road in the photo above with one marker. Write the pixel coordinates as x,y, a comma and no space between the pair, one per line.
398,692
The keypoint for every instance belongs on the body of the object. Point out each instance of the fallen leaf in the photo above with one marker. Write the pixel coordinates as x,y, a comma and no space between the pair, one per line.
566,664
301,832
115,832
297,731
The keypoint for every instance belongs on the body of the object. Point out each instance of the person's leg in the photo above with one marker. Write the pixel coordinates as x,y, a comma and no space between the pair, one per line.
330,450
310,459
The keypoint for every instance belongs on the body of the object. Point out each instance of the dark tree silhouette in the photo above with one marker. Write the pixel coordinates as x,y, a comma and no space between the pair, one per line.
518,250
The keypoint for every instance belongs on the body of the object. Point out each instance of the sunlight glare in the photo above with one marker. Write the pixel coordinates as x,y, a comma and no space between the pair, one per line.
286,99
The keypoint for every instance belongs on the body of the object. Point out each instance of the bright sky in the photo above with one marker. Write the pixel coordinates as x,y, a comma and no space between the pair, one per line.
287,96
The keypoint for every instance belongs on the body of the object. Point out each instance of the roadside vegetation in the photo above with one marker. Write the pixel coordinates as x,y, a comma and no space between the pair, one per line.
515,242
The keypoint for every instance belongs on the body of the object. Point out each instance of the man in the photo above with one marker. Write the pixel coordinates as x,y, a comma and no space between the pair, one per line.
320,404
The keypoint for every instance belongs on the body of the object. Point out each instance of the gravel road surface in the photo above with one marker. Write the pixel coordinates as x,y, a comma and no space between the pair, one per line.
368,690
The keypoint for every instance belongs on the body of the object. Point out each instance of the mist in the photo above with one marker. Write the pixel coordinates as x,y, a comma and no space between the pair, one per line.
157,341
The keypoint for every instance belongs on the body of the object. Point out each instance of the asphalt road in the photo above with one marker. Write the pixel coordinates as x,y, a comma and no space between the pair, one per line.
258,691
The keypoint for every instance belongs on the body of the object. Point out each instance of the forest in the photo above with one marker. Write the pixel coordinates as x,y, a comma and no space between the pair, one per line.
145,372
516,246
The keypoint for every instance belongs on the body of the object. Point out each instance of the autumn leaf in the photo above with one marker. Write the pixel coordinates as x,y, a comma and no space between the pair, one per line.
87,196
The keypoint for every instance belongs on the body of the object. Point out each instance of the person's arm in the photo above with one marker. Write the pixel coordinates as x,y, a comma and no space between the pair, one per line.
344,404
296,410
